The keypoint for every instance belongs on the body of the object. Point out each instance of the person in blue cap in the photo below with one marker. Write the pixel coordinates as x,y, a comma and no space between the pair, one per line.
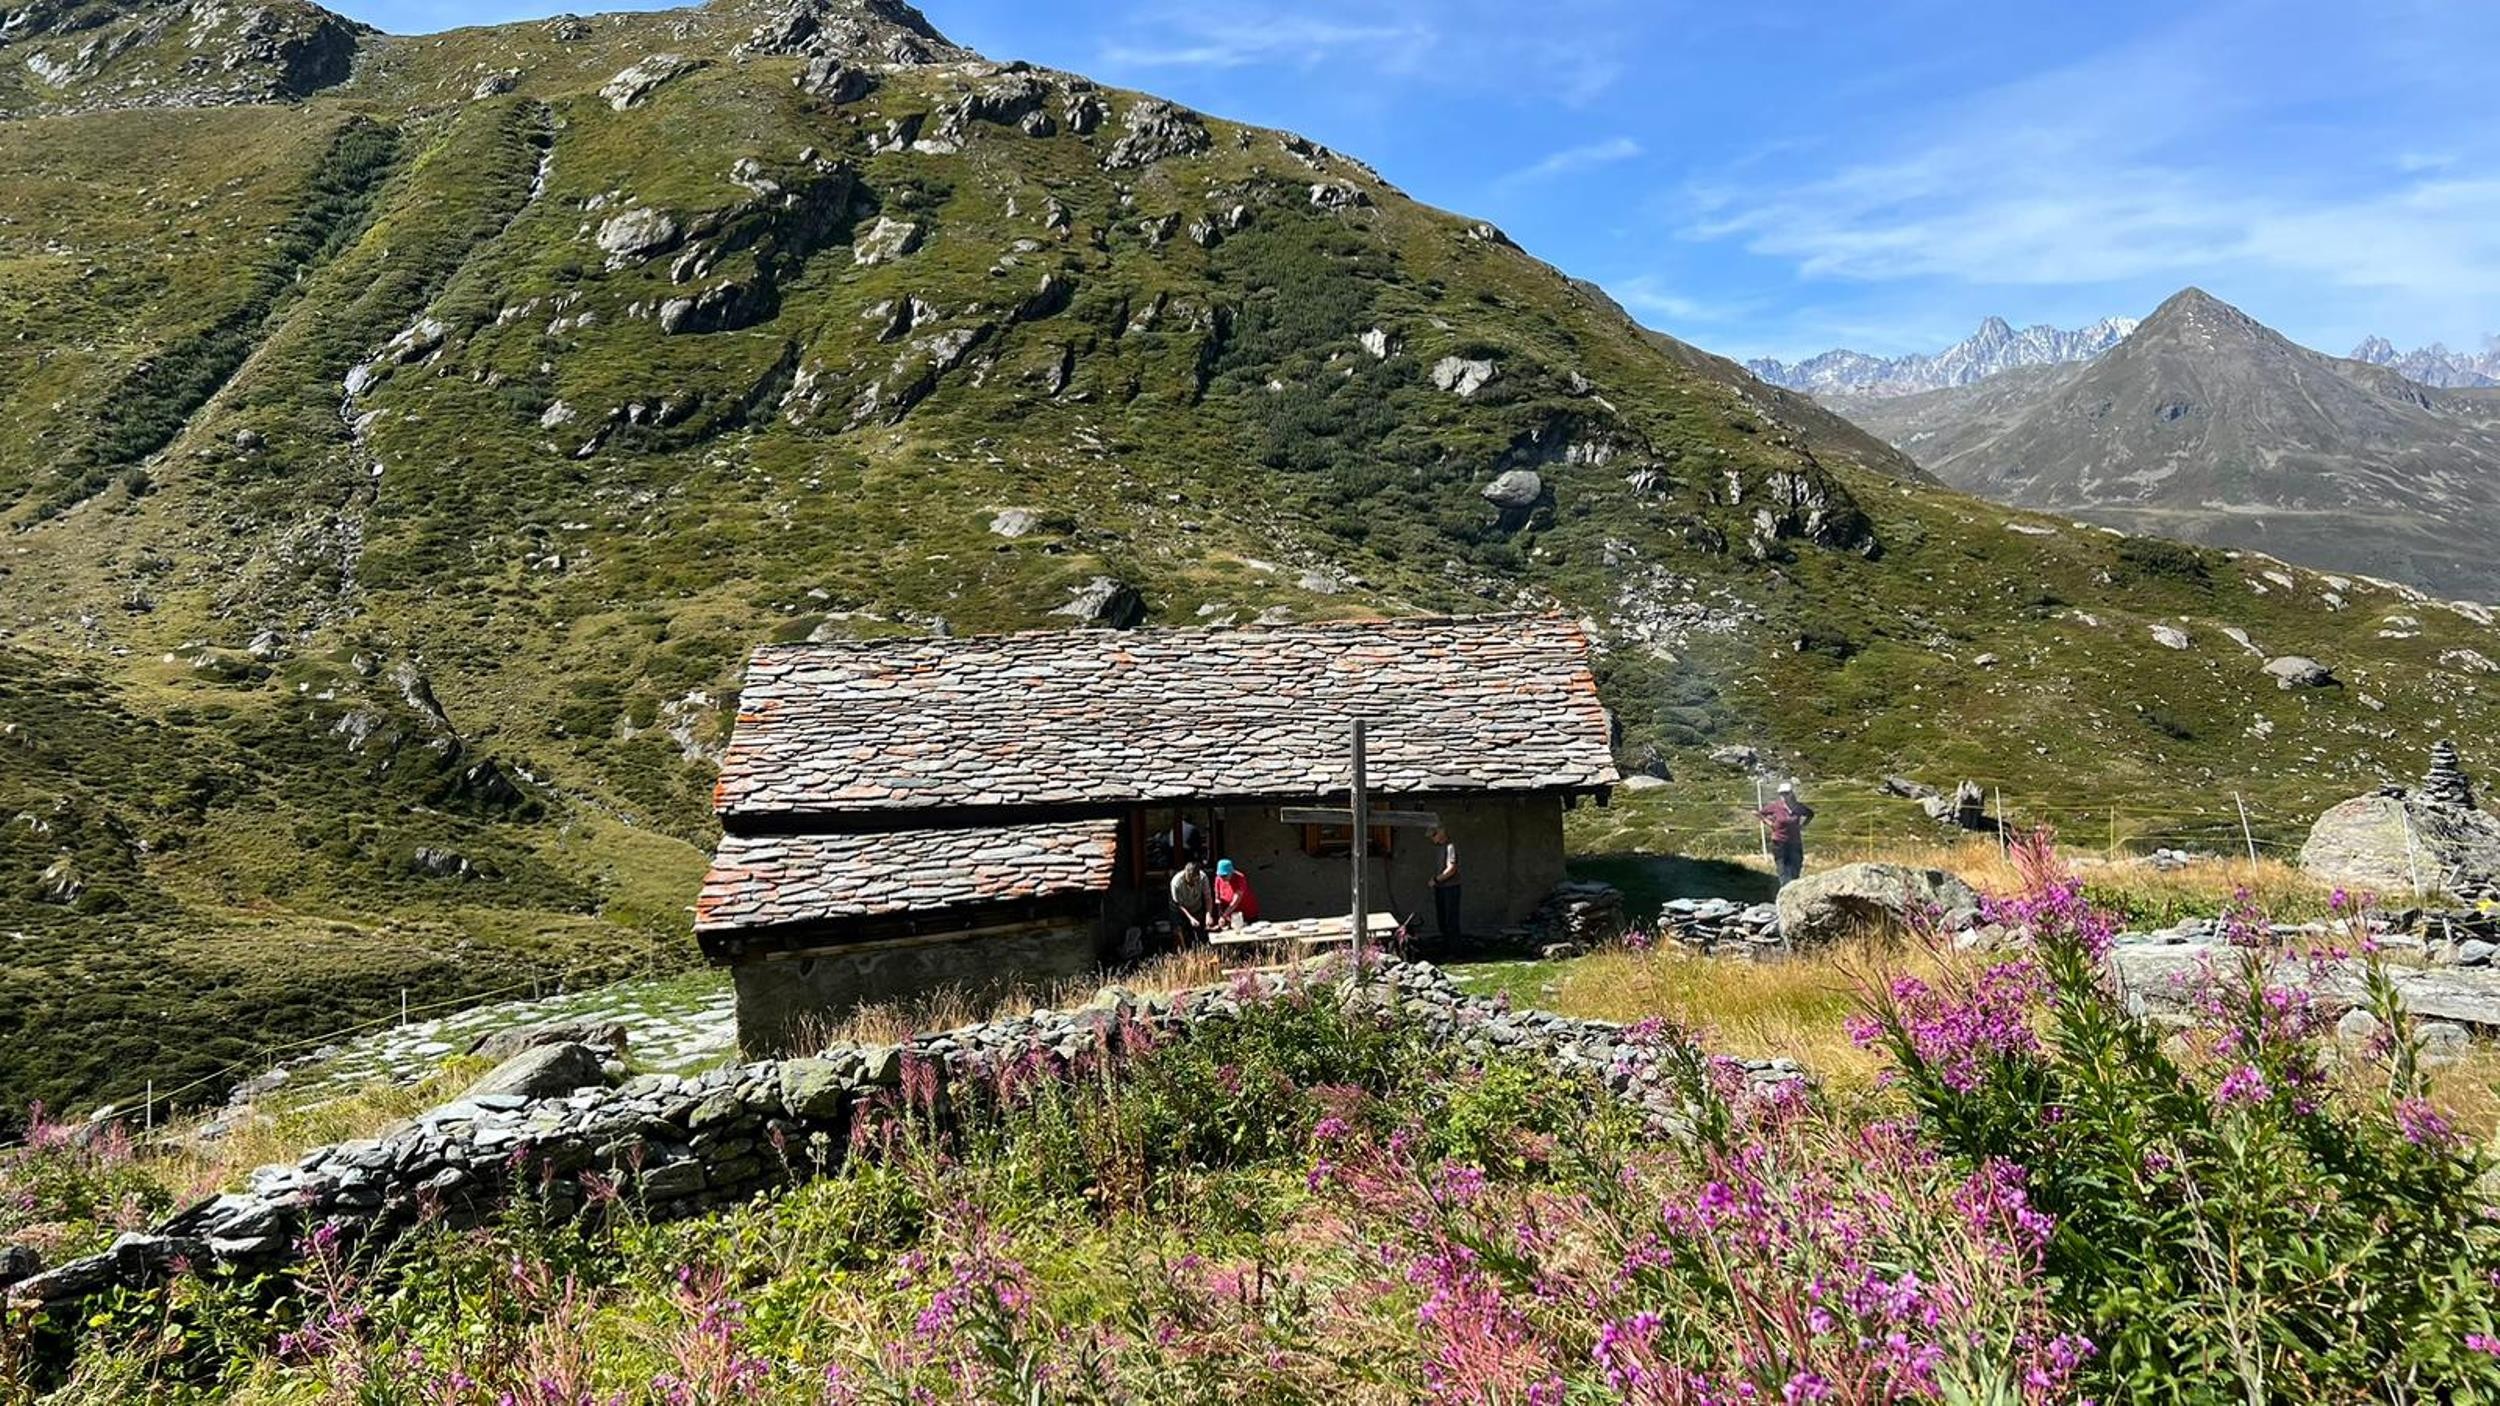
1235,904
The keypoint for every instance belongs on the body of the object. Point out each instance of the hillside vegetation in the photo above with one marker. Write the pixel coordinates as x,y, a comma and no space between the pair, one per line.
394,476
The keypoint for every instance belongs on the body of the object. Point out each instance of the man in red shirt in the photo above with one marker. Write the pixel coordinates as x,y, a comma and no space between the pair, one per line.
1235,904
1786,817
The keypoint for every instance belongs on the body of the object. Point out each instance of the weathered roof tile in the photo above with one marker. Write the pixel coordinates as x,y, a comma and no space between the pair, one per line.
760,882
1070,718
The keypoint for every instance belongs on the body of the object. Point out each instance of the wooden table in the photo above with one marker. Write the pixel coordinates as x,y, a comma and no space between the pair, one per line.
1306,932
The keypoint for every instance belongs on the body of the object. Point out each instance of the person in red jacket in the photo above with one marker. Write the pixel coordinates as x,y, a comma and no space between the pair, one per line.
1235,904
1786,818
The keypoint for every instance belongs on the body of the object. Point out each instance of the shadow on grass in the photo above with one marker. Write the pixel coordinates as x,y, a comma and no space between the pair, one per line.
1649,880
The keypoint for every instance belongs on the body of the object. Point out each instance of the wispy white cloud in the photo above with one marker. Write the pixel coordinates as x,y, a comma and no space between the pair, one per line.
1662,303
1574,53
1573,160
1203,41
1234,37
2109,169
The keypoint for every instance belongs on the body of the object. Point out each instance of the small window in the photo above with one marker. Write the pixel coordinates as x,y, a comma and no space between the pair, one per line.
1337,841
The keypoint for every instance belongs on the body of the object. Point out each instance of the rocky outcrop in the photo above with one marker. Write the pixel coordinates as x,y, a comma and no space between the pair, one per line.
1463,376
886,240
1872,898
1157,131
86,54
634,85
1106,602
2393,841
883,32
676,1146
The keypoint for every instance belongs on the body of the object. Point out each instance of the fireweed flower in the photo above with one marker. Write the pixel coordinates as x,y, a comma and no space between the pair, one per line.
2423,1126
2245,1084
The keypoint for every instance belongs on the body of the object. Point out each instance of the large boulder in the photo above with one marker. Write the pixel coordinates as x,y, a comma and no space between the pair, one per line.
2299,671
500,1045
549,1071
2394,843
1515,490
1858,898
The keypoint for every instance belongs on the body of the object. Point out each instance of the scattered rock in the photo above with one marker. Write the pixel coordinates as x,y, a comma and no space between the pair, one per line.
2299,671
2171,637
1462,376
1738,758
1012,523
637,234
889,239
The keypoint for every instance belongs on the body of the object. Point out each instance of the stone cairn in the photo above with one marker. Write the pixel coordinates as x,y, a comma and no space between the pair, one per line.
1577,917
675,1146
2446,783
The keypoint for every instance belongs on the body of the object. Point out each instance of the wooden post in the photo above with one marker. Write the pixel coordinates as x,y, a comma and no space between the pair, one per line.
2251,837
2113,834
2412,862
148,1118
1762,828
2005,829
1362,852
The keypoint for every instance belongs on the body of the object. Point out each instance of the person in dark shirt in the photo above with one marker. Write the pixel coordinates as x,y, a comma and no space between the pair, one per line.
1786,818
1445,885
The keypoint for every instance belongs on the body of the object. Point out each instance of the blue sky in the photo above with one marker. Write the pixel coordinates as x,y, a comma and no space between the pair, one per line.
1776,179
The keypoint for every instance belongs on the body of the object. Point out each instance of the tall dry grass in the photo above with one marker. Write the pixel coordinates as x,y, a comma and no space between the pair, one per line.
2128,884
1792,1007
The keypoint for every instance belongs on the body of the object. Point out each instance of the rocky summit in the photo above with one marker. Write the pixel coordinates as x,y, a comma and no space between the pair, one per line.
406,438
2205,424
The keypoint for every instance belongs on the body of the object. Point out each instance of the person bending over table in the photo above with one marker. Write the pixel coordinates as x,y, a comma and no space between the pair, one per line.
1235,904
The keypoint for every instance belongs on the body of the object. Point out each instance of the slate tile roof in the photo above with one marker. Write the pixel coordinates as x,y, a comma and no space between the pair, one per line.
853,734
772,881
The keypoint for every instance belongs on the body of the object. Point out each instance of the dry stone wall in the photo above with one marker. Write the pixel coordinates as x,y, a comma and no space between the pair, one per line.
677,1146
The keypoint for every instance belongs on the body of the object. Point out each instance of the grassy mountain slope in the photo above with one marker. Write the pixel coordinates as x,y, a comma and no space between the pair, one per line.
380,554
2206,425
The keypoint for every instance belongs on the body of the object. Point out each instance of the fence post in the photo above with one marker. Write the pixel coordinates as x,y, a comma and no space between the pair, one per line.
2251,837
2005,827
147,1117
403,1005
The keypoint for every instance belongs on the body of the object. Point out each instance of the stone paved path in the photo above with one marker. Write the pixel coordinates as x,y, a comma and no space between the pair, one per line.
674,1025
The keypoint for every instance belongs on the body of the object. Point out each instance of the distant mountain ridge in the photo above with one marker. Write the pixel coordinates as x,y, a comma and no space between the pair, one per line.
2207,425
1996,347
2435,365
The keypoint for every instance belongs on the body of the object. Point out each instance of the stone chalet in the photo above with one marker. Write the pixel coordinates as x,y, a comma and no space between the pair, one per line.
906,814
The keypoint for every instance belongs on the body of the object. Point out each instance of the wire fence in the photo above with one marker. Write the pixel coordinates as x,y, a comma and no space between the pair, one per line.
150,1098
